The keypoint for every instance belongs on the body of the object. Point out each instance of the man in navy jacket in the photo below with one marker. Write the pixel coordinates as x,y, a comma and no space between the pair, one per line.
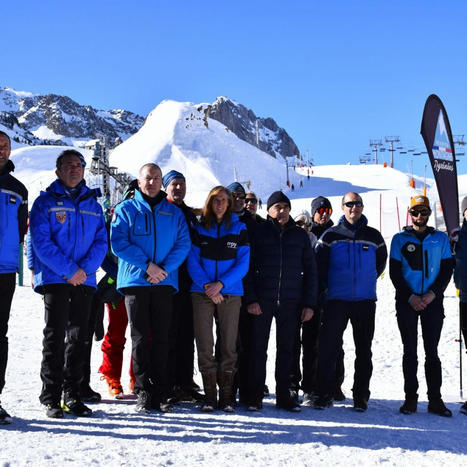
351,256
14,216
282,283
150,237
69,242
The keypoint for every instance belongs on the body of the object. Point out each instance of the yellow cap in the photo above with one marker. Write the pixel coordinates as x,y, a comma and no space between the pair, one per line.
419,200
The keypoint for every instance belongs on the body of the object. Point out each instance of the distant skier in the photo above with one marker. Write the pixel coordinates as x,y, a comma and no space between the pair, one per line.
420,268
14,215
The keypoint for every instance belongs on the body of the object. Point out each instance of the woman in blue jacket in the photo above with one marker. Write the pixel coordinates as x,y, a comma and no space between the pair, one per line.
218,260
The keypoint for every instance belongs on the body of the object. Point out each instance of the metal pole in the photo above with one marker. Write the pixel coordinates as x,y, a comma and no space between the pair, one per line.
398,216
380,213
460,351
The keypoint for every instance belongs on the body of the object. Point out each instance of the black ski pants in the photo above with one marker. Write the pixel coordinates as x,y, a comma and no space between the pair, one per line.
431,320
287,315
95,312
337,314
307,341
67,310
7,289
149,314
182,341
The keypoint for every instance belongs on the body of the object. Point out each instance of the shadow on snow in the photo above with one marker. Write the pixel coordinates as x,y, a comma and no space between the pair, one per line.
380,427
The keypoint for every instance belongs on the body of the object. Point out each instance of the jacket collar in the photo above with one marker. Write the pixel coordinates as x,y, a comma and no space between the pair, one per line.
9,167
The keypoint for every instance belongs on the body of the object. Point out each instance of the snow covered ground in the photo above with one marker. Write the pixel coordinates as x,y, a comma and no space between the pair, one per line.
116,435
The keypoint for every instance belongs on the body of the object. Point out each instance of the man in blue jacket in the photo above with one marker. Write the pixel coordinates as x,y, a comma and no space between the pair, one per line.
69,242
420,268
14,216
351,256
150,237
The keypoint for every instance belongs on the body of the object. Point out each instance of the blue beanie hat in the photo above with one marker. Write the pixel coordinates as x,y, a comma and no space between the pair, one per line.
235,186
172,175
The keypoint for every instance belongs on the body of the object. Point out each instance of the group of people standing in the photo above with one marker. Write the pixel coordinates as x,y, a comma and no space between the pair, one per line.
178,271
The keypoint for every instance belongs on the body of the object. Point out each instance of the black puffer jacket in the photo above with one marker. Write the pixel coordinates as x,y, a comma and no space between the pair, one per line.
283,265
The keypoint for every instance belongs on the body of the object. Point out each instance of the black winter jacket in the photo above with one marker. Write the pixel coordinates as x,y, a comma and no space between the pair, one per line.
283,265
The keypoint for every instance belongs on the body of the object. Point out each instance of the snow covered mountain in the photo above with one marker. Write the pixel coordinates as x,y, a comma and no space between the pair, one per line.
182,136
261,132
53,119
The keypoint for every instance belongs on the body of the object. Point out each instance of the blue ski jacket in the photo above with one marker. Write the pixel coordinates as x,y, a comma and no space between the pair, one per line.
13,218
350,259
417,266
66,234
220,253
140,235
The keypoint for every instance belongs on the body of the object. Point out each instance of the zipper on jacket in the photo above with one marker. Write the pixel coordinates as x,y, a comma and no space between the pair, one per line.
280,270
354,281
155,242
218,234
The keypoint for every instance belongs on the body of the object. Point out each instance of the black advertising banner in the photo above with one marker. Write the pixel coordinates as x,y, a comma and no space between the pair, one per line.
436,133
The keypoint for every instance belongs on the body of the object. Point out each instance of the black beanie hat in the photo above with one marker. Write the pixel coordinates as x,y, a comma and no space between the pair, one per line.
319,202
278,197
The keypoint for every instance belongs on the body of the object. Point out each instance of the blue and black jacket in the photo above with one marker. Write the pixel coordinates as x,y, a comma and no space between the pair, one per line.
220,253
350,259
419,264
66,233
13,218
140,234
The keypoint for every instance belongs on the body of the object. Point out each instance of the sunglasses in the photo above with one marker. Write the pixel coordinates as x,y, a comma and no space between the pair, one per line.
351,204
420,212
238,196
251,200
302,223
324,210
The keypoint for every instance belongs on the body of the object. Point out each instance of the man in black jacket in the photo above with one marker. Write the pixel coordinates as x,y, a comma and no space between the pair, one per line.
282,283
321,210
14,215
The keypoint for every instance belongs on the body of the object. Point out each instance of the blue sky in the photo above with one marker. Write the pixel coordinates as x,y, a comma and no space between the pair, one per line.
334,75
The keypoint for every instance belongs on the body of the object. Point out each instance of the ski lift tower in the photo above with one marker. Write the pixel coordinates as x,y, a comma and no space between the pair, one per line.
391,140
375,144
100,164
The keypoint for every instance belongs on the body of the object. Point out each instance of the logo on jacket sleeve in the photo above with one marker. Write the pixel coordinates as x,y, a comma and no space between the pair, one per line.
231,245
60,216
